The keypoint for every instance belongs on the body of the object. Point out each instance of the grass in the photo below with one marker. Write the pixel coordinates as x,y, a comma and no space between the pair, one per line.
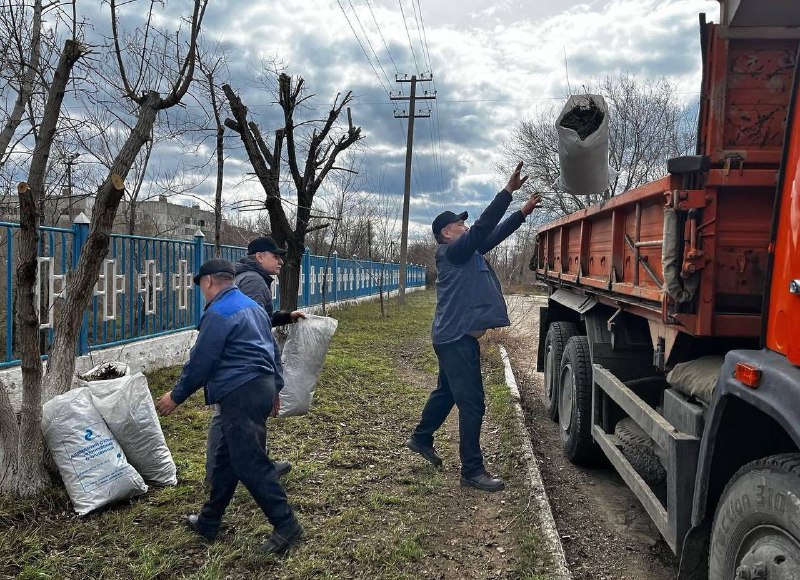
364,501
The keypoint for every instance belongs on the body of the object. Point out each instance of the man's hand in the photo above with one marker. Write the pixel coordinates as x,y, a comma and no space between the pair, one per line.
516,180
296,315
532,203
165,405
276,405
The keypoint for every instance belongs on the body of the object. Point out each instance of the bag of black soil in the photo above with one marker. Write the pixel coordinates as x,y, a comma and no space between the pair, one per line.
91,463
583,146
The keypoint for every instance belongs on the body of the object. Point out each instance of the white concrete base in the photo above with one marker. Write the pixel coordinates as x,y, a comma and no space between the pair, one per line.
146,355
551,539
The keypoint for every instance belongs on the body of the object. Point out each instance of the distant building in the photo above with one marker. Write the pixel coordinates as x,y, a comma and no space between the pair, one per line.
154,218
159,217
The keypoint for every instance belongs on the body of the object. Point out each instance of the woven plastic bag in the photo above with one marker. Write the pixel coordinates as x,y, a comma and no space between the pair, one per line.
89,459
303,357
582,129
127,408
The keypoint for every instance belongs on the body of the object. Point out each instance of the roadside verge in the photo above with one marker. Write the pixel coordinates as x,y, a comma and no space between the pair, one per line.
550,537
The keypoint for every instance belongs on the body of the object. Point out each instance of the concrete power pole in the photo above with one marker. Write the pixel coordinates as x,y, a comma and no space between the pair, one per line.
411,114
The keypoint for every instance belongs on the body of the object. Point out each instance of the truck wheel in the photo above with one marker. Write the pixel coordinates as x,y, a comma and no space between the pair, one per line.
554,343
756,529
640,451
575,401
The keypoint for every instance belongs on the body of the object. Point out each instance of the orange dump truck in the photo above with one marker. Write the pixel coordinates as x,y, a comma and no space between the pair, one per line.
670,342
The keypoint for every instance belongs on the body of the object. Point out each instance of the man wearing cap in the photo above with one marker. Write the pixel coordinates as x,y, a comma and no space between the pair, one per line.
233,358
254,276
469,301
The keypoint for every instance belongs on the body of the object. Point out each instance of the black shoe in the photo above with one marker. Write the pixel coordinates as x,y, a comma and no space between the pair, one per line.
484,482
427,452
282,468
192,522
281,540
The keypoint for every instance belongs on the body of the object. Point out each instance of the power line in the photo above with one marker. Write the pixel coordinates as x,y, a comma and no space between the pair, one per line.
386,46
408,34
425,34
362,47
364,32
419,33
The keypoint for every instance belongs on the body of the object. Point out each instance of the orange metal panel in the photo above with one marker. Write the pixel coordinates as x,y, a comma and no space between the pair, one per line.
639,292
783,324
745,96
736,325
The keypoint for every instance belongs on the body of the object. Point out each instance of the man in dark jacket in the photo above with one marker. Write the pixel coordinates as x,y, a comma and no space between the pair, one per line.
469,301
254,277
233,358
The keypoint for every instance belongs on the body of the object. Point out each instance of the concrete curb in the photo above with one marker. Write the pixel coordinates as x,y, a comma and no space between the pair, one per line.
550,536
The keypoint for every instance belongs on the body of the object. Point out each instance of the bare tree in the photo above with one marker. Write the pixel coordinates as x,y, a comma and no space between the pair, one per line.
23,449
210,71
321,147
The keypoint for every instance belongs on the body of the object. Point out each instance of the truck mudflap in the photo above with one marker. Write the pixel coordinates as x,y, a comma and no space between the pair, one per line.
777,396
680,449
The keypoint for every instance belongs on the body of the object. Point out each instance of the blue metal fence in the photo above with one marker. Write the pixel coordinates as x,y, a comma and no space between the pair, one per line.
145,287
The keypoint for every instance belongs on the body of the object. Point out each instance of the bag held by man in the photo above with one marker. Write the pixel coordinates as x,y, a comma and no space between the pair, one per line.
582,128
303,357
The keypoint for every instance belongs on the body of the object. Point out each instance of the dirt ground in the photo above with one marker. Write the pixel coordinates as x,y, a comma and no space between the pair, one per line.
604,529
474,535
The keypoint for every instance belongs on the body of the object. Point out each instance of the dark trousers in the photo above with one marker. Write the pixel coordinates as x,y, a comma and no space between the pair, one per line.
460,383
237,441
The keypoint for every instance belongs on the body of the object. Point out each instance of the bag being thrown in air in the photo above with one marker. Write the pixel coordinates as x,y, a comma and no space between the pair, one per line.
127,407
583,146
89,459
303,357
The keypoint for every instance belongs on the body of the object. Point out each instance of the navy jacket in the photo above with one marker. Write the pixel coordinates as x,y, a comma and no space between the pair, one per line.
469,297
234,346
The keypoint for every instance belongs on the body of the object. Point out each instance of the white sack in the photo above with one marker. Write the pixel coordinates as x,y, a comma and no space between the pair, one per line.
303,357
127,408
584,163
89,459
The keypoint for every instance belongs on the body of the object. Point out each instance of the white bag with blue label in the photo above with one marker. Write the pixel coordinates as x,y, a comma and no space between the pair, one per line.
89,459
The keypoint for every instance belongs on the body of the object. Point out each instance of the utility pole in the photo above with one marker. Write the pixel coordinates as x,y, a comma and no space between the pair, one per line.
411,114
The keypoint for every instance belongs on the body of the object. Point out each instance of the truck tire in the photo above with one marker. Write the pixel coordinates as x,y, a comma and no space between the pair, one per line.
640,451
554,343
756,528
575,401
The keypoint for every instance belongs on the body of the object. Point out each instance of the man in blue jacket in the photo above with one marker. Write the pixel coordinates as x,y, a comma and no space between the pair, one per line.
469,301
254,275
234,360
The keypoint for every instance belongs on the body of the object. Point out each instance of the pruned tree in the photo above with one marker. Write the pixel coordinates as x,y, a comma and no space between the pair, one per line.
211,71
319,140
648,124
22,469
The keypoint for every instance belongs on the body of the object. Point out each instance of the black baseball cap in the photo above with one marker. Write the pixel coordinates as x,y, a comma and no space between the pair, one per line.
214,266
265,244
446,218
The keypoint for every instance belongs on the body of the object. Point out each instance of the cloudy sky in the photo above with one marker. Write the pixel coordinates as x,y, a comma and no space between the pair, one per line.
493,64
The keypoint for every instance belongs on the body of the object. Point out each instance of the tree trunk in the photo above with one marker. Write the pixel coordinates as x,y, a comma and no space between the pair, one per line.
26,471
61,365
290,275
26,82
